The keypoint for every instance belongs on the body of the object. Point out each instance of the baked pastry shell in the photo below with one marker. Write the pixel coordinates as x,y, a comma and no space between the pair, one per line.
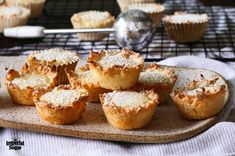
155,15
25,96
36,7
14,20
115,77
123,4
93,89
199,107
184,32
78,23
130,118
60,115
56,67
162,89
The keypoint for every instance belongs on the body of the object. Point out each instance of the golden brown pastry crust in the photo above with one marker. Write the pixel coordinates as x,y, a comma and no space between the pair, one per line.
155,14
25,96
61,114
94,89
59,68
184,32
162,89
200,106
130,118
116,76
35,7
79,23
8,21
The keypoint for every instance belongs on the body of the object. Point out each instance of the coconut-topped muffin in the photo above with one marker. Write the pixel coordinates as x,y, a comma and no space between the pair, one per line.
90,20
157,78
129,109
21,87
83,79
183,27
57,59
115,69
200,99
154,10
62,105
35,6
13,16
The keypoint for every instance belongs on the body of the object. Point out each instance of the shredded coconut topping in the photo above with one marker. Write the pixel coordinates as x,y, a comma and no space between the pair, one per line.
153,77
185,18
31,80
93,16
58,55
200,91
125,99
113,59
8,11
147,7
61,97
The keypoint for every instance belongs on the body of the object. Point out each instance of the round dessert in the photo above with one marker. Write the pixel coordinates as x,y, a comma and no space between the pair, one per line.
21,87
201,99
57,59
123,4
35,6
159,79
115,69
129,109
13,16
154,10
183,28
83,79
62,105
92,20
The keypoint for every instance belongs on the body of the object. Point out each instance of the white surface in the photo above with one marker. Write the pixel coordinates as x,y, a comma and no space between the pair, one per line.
218,140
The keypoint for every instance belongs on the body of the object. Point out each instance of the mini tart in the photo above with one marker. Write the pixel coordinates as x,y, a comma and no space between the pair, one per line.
62,105
201,99
13,16
183,28
36,6
123,4
115,69
83,79
57,59
159,79
154,10
129,109
92,20
21,87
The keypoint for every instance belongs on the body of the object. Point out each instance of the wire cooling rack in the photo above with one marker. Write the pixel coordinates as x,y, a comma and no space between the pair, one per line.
217,43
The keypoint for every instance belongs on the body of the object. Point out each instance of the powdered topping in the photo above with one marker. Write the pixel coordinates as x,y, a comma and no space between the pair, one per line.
147,7
31,80
186,18
93,16
58,55
61,97
117,59
152,77
125,99
9,11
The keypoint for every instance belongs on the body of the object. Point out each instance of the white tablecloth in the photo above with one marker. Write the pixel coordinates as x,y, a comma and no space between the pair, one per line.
218,140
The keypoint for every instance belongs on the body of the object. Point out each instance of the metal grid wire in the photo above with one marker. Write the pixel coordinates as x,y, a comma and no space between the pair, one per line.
217,43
